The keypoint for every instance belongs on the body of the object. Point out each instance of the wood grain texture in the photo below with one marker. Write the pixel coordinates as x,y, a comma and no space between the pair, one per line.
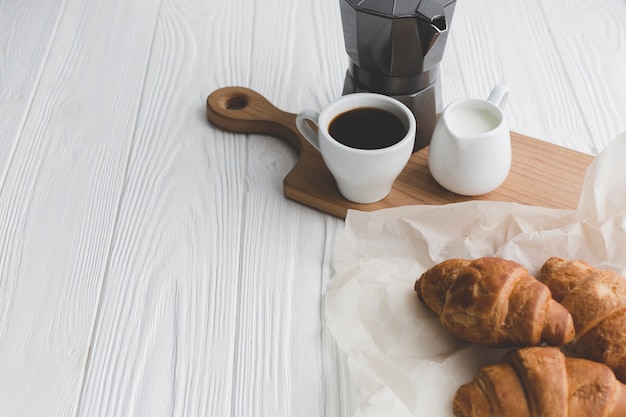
149,262
165,337
24,49
206,294
582,33
60,196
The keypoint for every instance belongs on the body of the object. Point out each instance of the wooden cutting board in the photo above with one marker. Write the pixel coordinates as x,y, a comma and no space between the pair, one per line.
542,174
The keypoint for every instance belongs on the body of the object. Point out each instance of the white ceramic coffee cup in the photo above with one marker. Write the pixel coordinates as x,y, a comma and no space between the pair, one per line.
470,150
362,175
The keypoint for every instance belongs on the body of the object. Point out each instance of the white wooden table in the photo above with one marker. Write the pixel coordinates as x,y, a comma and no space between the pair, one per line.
149,263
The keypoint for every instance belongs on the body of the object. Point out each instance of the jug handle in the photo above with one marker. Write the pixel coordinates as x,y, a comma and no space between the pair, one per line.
499,96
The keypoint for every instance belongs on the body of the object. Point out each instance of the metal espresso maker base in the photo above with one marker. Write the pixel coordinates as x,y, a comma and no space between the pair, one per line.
425,105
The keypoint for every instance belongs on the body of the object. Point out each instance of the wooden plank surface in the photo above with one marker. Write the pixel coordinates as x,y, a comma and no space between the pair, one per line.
24,49
62,185
193,319
149,263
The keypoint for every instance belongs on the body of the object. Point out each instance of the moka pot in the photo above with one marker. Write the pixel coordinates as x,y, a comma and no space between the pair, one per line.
395,48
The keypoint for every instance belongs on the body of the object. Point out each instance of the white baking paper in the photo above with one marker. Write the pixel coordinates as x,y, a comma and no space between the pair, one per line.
402,361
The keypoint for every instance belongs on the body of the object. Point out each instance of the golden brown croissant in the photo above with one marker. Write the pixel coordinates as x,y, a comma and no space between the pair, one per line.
596,300
494,302
542,382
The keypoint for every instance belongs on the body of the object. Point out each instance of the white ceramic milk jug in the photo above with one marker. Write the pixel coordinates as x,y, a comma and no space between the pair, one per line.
470,150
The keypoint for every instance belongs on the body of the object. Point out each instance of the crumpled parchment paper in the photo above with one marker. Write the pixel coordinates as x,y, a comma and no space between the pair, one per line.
403,362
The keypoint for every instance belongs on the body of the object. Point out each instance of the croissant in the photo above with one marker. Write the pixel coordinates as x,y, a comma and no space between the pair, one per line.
494,302
596,300
542,382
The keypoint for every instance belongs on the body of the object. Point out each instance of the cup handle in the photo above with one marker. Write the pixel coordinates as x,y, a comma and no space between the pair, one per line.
306,130
499,96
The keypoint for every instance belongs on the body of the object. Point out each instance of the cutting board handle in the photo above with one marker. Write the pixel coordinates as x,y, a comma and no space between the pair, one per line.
241,110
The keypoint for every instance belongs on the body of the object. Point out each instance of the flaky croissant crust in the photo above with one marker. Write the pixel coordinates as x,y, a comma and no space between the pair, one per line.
596,300
494,302
542,382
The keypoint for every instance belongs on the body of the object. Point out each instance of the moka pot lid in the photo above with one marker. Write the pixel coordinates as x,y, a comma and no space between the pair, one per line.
428,9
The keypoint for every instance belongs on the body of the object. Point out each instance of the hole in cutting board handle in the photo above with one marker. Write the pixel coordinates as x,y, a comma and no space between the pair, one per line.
236,102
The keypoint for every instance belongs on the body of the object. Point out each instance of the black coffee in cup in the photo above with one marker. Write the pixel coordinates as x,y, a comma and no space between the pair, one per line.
367,128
